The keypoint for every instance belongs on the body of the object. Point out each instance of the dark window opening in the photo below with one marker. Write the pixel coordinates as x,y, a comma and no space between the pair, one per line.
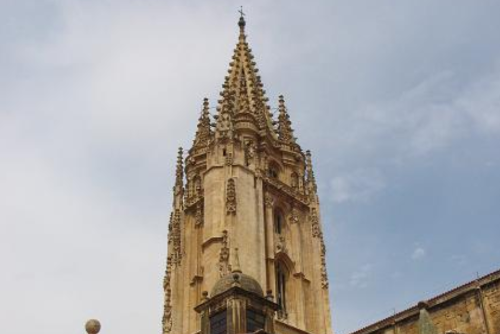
255,321
278,222
281,287
273,173
218,323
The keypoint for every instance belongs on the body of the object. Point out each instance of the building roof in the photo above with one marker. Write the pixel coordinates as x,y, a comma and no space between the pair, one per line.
245,282
436,300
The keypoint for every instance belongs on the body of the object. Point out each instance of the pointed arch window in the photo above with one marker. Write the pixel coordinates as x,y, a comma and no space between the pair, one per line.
281,282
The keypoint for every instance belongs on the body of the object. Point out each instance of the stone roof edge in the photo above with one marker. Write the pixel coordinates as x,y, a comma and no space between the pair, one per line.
436,300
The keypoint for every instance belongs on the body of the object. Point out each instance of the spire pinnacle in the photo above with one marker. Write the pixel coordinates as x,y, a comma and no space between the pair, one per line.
203,132
236,262
311,180
179,174
285,131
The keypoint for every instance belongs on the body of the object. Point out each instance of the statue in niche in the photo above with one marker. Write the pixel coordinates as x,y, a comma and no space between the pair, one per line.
249,153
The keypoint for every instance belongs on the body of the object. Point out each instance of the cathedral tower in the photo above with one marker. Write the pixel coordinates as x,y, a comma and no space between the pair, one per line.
246,184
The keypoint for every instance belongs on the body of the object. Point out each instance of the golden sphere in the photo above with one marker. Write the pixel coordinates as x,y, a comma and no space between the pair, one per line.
93,326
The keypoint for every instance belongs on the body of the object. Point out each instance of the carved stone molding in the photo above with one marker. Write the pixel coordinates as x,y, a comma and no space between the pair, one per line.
167,307
176,238
324,273
231,197
316,230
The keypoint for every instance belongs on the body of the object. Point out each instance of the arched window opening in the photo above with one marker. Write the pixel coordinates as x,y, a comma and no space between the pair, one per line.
281,281
279,222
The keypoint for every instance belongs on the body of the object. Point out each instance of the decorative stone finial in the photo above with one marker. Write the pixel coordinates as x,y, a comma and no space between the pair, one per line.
236,262
93,326
204,295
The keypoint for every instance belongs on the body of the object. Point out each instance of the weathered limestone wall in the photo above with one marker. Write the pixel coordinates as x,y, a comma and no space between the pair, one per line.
473,308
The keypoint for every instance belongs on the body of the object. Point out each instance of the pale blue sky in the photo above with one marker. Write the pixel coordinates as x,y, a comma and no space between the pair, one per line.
398,100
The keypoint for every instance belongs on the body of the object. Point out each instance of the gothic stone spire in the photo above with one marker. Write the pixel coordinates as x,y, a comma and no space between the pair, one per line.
243,95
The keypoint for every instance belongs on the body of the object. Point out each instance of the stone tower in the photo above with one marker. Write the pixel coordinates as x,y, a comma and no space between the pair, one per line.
246,184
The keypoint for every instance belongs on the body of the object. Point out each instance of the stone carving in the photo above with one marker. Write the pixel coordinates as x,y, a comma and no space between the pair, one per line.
198,216
231,197
280,244
294,216
197,186
249,153
268,200
316,231
176,238
224,127
224,266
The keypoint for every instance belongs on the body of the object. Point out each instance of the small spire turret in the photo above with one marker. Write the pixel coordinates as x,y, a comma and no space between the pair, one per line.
285,131
310,179
236,262
203,132
179,173
179,182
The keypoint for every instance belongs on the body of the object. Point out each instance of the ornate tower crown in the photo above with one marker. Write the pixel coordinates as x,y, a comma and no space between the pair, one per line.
246,183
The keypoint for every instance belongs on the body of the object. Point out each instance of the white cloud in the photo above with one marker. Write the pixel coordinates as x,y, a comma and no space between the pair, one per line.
360,278
418,253
360,185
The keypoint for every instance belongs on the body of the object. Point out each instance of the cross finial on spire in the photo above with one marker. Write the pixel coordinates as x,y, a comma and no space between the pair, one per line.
241,22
